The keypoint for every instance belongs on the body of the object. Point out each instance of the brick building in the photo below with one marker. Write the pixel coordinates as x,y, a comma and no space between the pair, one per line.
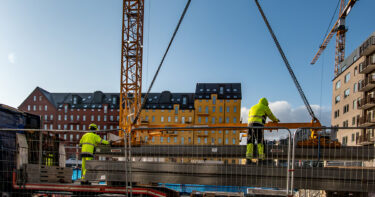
353,99
212,103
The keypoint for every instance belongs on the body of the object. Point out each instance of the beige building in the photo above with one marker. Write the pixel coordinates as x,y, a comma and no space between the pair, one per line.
353,99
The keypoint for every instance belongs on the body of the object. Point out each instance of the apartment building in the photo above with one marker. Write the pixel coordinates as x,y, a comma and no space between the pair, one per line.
353,99
211,103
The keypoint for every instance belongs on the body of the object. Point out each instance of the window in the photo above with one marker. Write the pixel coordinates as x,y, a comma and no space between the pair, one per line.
92,117
213,109
345,140
228,109
347,77
199,120
98,117
206,110
234,120
40,108
84,117
234,140
65,126
104,118
206,119
105,108
221,109
205,140
189,140
221,90
34,98
176,119
184,100
226,131
34,107
71,127
345,123
153,118
161,139
227,120
117,118
199,140
175,139
219,141
182,140
355,71
212,140
77,127
338,84
220,119
83,127
59,117
176,110
190,119
346,108
353,137
337,113
234,109
111,118
58,127
346,93
65,108
355,87
199,109
71,117
337,99
45,127
183,120
65,117
206,132
226,140
213,120
353,120
28,108
169,139
153,139
214,100
51,117
162,119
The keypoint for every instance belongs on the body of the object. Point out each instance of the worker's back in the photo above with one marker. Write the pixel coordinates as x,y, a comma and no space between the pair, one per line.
89,141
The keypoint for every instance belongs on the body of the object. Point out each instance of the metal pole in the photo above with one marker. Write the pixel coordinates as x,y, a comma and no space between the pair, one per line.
293,158
126,166
288,165
130,165
40,149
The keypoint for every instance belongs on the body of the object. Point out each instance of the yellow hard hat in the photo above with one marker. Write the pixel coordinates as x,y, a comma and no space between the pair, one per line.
93,126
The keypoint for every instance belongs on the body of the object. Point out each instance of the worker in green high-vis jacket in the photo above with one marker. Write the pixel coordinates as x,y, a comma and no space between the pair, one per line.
88,142
257,118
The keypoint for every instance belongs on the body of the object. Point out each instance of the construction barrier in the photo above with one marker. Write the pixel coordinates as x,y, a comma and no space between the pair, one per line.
190,160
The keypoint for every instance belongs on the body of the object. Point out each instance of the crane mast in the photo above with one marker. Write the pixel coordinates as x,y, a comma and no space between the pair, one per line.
131,62
340,30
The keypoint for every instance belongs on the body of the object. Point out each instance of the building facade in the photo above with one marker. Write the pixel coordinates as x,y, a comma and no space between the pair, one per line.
353,101
212,103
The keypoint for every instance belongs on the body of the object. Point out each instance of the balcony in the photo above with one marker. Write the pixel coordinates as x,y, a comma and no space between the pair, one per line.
367,66
367,47
366,103
366,121
367,84
365,139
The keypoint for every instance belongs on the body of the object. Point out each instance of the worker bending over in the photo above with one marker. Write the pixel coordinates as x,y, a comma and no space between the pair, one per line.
257,118
88,142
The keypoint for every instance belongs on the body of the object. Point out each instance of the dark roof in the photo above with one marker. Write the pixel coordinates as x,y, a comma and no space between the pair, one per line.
223,90
166,100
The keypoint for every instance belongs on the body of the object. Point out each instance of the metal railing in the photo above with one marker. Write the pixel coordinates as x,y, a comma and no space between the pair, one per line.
207,161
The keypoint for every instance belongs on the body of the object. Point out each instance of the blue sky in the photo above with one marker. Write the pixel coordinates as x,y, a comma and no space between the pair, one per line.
74,46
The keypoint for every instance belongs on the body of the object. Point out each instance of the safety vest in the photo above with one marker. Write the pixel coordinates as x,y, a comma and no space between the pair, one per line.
89,141
259,112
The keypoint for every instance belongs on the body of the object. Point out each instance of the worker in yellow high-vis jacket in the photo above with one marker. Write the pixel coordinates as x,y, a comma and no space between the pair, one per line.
88,142
257,118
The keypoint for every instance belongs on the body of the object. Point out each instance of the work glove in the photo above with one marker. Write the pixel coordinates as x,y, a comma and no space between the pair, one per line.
277,121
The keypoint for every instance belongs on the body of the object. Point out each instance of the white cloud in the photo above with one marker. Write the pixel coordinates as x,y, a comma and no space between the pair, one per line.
12,58
286,113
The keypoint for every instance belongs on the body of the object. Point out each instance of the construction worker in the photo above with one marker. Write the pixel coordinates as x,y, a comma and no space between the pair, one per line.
88,142
257,118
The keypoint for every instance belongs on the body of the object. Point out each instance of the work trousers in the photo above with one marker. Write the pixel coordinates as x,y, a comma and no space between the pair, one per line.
255,134
84,159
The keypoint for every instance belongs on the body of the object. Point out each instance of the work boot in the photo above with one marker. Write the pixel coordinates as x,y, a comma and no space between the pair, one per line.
261,154
249,151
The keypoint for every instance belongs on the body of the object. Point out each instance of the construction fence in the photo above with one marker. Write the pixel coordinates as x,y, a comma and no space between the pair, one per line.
184,161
